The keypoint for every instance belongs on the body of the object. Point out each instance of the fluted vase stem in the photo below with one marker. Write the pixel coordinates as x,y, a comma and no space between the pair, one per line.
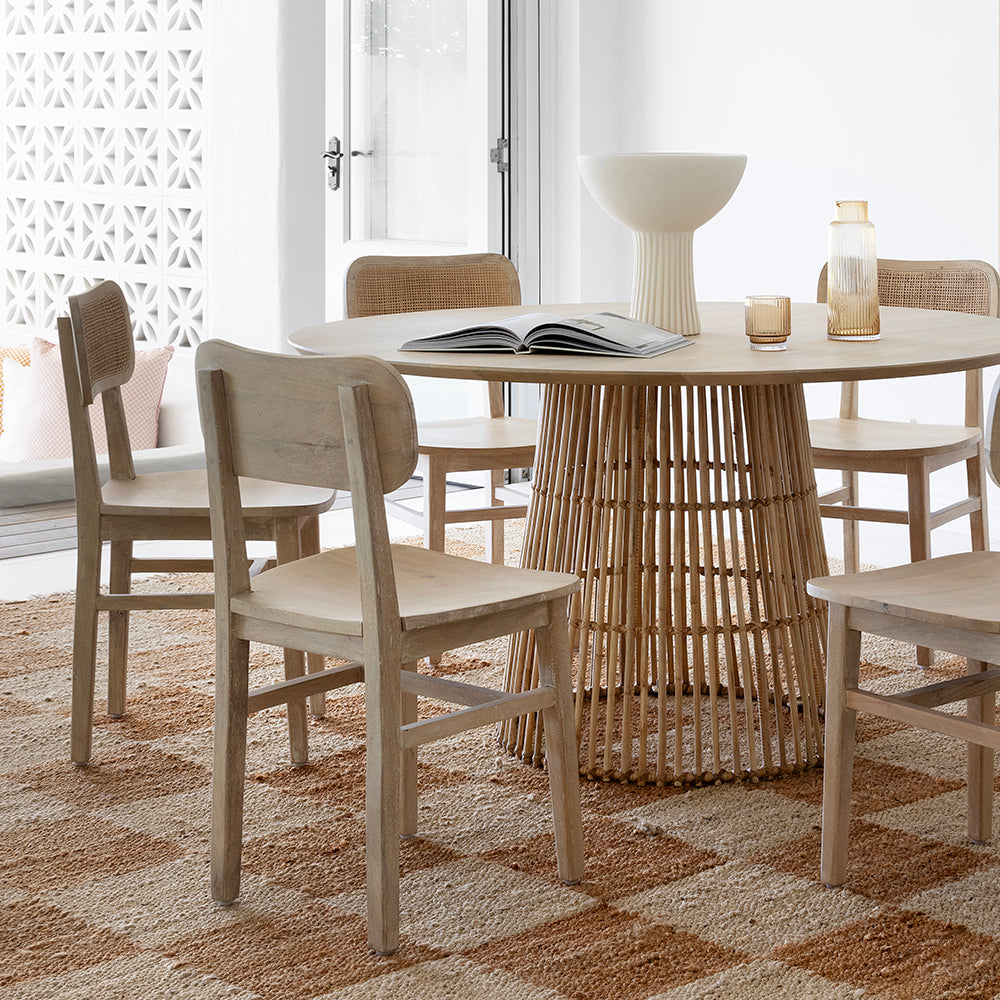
663,282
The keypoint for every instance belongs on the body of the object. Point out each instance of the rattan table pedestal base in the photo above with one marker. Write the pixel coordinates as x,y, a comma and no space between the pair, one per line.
691,515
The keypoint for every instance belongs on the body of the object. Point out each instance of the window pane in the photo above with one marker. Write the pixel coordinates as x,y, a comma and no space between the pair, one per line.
410,118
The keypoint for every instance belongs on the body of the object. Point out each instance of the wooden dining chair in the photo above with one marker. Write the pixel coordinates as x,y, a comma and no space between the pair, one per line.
853,444
950,603
384,284
98,356
348,423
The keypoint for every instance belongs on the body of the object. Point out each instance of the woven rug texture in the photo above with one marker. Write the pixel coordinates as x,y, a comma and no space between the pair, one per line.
690,893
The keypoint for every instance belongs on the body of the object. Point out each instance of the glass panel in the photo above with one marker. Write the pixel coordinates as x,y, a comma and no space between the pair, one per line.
411,109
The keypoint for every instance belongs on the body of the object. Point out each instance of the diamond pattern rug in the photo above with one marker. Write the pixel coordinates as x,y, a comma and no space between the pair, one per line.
690,893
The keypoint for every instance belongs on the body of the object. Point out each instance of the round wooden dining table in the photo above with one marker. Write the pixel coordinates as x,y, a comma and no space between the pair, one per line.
680,488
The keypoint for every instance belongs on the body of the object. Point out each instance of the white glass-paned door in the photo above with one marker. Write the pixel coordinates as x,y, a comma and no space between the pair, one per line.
414,93
418,111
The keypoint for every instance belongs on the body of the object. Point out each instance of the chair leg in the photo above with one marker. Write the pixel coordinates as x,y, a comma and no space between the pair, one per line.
852,547
434,504
843,660
918,480
88,582
383,712
435,475
408,767
309,545
494,529
980,766
120,582
561,751
229,765
288,549
978,521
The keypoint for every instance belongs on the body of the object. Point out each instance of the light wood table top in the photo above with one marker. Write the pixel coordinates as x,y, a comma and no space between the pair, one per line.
914,342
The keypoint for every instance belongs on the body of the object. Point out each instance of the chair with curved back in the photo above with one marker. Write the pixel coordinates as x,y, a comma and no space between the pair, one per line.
348,423
377,285
98,356
853,444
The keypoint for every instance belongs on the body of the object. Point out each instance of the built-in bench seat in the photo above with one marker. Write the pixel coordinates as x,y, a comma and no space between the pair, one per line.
37,512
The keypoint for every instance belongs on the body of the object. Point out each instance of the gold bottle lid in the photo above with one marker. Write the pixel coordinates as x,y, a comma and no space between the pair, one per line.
852,211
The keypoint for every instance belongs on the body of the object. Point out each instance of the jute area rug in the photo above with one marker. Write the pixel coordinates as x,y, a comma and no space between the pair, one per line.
703,893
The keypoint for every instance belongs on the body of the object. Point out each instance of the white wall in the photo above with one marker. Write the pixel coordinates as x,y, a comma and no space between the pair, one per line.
895,102
265,246
584,256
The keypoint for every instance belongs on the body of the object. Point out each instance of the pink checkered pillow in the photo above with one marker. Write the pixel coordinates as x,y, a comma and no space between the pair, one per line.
20,353
38,424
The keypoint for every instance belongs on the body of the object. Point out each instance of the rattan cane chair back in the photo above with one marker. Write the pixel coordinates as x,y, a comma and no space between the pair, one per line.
853,444
379,285
384,284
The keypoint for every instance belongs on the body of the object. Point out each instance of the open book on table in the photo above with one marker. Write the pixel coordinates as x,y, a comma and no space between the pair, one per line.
597,333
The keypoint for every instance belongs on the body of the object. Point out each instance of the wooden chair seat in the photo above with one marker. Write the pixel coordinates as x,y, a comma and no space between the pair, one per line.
855,441
950,603
468,438
185,494
321,592
956,591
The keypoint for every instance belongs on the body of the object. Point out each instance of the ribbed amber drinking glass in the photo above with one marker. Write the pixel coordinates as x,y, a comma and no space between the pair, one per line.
769,321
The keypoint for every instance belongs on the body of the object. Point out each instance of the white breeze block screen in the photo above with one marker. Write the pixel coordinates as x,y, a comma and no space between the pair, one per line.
102,132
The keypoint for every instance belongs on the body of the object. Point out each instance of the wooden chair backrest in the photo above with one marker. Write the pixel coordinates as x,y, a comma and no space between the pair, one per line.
284,421
971,286
378,285
341,423
992,434
102,334
97,354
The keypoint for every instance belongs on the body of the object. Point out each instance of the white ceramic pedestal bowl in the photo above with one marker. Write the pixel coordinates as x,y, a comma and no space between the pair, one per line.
663,198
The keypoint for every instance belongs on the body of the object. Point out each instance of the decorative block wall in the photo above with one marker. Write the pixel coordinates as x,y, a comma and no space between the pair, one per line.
102,169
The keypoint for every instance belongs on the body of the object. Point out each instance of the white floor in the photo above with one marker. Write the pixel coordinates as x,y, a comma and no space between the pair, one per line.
55,572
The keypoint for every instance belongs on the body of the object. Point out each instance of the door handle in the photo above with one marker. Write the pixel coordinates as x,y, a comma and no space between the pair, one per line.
333,156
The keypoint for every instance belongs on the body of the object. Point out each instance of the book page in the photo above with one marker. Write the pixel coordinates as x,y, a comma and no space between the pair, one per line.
607,333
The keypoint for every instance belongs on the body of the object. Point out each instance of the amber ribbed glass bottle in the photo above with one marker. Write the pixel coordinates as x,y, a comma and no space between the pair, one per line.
852,275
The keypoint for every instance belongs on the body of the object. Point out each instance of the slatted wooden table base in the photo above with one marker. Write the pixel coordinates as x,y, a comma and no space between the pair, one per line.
691,514
690,511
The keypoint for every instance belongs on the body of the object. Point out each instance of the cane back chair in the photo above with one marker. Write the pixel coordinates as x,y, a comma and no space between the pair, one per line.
853,444
98,355
384,284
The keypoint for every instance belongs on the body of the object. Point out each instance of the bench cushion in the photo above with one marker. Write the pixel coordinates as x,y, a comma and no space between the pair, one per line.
37,418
